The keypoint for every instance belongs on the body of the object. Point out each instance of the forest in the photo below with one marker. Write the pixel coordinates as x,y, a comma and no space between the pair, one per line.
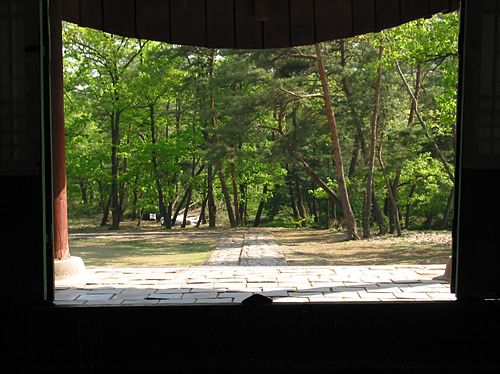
356,135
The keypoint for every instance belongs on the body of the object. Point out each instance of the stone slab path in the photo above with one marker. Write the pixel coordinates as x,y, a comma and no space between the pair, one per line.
247,249
233,284
248,263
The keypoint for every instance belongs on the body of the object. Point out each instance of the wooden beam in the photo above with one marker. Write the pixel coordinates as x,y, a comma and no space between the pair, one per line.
91,14
119,17
248,31
277,27
363,17
302,21
333,19
220,23
188,22
153,20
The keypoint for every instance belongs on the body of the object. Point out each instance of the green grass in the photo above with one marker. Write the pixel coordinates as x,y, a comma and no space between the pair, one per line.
158,251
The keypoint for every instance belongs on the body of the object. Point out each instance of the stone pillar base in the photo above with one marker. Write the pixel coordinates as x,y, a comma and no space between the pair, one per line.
70,268
447,273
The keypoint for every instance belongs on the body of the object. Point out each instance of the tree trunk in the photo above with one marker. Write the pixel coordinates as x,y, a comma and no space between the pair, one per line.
123,186
256,222
235,194
134,204
179,207
227,199
243,204
212,209
377,212
167,220
293,203
447,210
115,142
154,160
408,206
84,185
141,213
105,212
300,202
391,194
350,220
314,210
371,160
317,179
201,218
359,140
186,209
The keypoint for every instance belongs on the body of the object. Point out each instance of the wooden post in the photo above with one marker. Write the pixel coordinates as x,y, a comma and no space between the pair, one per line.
61,246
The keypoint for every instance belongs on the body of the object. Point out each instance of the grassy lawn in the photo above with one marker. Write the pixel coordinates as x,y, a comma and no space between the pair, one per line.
188,250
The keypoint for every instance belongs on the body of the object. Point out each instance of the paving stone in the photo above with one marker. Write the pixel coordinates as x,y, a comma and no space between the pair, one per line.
411,295
305,294
421,289
198,286
318,298
290,300
176,301
108,286
379,295
384,290
105,302
100,296
214,301
131,296
253,289
263,285
274,293
140,302
442,296
66,296
162,296
313,289
231,280
291,285
69,302
347,289
172,290
230,286
233,295
200,295
370,279
327,284
354,295
365,300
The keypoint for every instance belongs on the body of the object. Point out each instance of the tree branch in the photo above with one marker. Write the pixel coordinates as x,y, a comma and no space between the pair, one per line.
424,126
300,96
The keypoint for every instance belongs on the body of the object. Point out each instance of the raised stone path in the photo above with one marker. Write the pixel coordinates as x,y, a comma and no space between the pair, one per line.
247,249
248,263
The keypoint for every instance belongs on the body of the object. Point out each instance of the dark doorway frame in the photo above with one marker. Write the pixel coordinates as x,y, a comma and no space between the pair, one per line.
388,337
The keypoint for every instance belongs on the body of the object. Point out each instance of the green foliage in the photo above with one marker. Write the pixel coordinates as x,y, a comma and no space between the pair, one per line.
183,110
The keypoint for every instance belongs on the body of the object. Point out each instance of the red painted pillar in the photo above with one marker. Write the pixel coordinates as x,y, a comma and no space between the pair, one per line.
61,246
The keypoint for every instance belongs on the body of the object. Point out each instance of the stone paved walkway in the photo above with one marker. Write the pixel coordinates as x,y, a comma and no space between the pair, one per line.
248,263
232,284
247,249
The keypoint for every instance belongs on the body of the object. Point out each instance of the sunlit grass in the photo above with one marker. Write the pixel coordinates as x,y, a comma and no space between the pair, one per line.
168,251
305,247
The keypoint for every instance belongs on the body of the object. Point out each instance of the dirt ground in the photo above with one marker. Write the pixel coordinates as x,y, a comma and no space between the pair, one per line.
324,248
308,247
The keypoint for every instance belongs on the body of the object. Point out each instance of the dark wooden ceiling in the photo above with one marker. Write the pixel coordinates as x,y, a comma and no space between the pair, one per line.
248,24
